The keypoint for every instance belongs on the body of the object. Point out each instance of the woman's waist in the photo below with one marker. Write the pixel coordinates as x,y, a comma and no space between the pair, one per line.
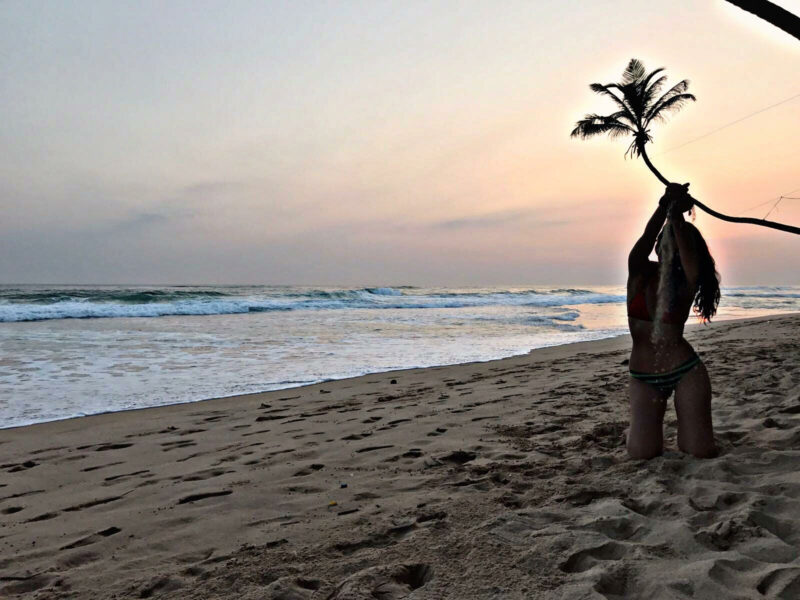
647,357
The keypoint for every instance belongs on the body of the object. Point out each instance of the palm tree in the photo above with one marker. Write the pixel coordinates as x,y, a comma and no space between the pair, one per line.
639,105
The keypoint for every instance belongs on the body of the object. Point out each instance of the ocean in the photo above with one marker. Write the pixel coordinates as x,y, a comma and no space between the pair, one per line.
69,351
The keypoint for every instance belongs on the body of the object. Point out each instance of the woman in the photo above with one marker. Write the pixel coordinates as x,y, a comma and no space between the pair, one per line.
660,296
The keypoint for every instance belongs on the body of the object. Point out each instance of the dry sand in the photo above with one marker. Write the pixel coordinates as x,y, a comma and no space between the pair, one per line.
506,479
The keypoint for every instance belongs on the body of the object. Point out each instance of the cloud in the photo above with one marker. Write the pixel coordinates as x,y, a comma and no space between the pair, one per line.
499,220
138,221
173,209
496,219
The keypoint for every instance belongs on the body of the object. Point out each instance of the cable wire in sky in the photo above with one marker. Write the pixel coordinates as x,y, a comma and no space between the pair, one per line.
785,196
739,120
778,202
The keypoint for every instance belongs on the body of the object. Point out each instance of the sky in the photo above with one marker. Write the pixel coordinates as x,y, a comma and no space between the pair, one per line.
379,143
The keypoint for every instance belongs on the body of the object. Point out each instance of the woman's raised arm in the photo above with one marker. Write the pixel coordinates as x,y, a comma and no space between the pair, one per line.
638,258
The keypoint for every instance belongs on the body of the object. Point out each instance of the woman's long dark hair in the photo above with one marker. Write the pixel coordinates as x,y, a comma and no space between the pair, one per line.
707,298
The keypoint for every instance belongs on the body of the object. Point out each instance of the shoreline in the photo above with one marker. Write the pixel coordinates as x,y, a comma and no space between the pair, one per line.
689,327
499,479
306,385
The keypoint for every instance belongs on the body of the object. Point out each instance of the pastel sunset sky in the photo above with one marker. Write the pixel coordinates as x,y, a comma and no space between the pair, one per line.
378,143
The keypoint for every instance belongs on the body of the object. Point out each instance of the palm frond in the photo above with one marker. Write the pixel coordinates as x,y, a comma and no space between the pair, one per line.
673,104
651,91
635,71
636,88
633,150
678,89
604,90
593,125
649,78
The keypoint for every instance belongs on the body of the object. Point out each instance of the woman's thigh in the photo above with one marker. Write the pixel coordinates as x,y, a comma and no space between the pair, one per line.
646,433
693,407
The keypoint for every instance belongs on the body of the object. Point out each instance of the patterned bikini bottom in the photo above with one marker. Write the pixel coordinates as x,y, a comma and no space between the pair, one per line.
667,382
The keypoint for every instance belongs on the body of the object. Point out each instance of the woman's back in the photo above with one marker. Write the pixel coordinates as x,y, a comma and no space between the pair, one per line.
656,352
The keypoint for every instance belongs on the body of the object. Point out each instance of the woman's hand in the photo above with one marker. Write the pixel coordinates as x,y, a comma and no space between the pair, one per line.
676,198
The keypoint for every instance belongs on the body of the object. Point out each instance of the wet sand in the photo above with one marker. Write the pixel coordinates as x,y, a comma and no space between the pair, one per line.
506,479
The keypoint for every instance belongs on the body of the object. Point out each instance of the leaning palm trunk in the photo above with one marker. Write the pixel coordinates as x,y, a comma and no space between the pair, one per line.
719,215
771,13
638,106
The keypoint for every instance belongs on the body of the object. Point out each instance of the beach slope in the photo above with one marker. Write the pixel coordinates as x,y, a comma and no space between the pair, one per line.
506,479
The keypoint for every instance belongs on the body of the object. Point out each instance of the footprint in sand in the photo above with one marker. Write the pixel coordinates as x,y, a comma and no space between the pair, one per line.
732,574
783,582
206,474
459,457
98,467
167,446
15,468
389,582
271,418
587,496
198,497
92,539
119,446
43,517
616,528
373,448
161,584
378,540
26,585
311,468
260,431
510,500
98,502
584,560
365,496
123,476
291,588
612,583
393,424
412,453
357,436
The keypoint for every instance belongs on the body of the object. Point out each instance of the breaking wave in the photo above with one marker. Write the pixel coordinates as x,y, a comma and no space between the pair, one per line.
42,303
38,303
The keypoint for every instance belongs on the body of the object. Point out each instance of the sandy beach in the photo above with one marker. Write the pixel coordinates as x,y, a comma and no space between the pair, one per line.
505,479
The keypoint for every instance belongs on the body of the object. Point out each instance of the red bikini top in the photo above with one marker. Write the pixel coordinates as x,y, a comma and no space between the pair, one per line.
638,307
